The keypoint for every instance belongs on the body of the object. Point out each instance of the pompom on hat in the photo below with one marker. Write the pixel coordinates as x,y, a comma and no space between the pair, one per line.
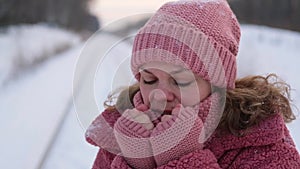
201,35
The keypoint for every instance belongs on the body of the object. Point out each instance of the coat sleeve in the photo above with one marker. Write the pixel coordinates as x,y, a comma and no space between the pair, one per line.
278,155
204,159
199,159
107,160
119,163
103,159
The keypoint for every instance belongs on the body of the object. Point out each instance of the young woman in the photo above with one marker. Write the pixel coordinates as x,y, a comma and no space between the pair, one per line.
187,109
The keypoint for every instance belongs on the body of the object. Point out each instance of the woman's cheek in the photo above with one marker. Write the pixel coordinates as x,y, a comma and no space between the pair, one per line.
189,97
189,101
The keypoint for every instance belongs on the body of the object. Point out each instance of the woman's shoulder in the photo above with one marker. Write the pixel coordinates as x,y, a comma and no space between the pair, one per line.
269,145
262,143
268,131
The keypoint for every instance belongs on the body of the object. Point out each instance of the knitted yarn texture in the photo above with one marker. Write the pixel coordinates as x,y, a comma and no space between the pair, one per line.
169,140
202,36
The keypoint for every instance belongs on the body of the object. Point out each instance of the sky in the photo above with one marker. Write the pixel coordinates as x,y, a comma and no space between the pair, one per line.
110,10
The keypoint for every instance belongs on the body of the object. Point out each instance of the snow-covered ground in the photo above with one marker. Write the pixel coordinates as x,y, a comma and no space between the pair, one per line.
39,126
34,103
26,45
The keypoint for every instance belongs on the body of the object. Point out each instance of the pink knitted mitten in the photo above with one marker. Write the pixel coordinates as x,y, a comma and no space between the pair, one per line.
132,131
177,135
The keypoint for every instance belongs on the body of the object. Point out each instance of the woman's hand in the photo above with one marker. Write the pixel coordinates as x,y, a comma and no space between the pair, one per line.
132,131
138,115
176,135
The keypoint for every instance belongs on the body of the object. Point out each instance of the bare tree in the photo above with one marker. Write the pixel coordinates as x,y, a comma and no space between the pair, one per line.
276,13
73,14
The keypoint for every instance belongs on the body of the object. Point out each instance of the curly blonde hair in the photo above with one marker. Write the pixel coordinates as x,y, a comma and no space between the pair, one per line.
253,99
124,97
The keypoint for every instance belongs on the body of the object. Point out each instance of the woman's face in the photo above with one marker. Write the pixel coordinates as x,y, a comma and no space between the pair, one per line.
163,86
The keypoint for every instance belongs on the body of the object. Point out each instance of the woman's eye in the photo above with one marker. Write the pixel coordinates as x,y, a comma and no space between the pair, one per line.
183,84
149,82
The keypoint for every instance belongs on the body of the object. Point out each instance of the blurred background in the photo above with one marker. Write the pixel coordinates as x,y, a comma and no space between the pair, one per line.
43,43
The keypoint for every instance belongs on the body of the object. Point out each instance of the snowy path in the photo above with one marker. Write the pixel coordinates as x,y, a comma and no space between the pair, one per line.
70,150
33,107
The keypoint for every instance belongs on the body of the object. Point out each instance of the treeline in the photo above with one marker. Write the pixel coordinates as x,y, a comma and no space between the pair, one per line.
71,14
74,13
276,13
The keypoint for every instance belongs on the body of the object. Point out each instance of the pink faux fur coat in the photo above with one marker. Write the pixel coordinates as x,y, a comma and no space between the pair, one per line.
268,145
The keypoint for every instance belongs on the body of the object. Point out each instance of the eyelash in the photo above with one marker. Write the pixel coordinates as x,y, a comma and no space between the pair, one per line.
183,84
149,82
176,83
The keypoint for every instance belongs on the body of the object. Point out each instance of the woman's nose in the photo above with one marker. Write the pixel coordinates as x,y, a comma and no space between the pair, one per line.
163,94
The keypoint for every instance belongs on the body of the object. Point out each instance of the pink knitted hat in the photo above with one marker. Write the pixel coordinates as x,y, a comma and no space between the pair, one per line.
201,35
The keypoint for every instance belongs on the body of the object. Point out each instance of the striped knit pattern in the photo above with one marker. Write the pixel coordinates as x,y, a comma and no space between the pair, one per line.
133,139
